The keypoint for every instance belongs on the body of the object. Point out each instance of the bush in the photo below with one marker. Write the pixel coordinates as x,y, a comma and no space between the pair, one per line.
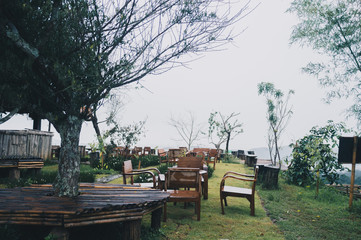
313,153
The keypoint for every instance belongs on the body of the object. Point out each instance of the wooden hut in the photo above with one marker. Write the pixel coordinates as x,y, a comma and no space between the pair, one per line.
25,143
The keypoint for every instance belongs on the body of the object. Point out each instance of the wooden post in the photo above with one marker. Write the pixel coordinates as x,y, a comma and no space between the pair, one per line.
131,229
156,218
353,171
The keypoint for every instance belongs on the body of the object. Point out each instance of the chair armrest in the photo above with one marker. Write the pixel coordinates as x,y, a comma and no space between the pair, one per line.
139,172
228,175
239,174
239,178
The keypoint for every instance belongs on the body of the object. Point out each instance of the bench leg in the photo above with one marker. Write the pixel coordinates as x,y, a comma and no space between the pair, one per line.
156,218
131,230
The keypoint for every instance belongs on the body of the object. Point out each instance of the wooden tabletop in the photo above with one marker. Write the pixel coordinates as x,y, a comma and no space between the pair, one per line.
96,203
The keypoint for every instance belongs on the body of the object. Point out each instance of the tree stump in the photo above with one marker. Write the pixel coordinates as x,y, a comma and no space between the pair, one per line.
268,176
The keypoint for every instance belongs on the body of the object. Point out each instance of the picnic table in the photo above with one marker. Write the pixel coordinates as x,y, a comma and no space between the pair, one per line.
96,203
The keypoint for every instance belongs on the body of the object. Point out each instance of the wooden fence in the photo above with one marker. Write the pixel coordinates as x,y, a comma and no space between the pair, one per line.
347,188
25,143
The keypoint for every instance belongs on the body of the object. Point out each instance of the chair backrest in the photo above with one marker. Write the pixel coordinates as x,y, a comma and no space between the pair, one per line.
162,153
200,150
175,153
190,162
213,153
201,155
146,151
183,178
127,167
137,151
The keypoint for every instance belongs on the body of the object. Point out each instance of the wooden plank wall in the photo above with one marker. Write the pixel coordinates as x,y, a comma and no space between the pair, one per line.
25,143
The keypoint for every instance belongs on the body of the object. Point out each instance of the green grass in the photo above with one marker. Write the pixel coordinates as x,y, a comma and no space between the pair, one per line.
235,224
300,215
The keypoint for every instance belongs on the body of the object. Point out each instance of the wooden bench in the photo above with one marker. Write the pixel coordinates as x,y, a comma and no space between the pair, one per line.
15,163
96,204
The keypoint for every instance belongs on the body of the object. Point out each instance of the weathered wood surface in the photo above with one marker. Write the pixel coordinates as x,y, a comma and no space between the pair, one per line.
25,143
21,162
97,203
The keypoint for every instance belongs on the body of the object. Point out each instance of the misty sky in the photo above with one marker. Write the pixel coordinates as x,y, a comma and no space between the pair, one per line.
226,81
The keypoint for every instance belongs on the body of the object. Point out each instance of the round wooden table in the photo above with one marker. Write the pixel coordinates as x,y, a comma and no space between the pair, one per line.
96,203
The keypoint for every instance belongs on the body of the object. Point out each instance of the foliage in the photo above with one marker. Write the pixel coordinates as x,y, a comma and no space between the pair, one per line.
116,163
210,171
229,158
224,127
127,135
332,28
313,153
278,115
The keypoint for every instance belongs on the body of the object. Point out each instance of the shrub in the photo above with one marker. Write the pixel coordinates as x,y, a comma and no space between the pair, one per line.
313,153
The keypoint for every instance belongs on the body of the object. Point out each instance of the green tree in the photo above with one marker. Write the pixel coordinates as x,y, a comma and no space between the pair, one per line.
333,29
62,58
224,127
315,153
278,115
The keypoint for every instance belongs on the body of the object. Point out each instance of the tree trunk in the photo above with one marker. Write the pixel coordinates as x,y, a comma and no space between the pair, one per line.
227,144
276,150
96,125
66,183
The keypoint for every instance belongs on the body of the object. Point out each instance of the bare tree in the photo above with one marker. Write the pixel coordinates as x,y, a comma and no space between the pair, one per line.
189,130
225,127
278,115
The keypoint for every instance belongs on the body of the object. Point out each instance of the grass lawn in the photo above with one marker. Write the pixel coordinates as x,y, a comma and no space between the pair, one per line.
302,216
235,224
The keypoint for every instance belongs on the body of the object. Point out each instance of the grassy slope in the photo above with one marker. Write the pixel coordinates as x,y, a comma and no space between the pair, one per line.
235,224
302,216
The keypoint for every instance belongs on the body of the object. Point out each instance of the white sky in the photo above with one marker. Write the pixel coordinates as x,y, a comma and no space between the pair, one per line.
226,81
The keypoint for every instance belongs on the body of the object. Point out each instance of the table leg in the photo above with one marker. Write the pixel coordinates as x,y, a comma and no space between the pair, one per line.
131,229
156,218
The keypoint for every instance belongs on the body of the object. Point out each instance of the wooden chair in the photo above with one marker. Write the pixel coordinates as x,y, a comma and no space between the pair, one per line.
175,154
129,172
187,178
190,162
212,157
162,154
196,162
230,191
146,151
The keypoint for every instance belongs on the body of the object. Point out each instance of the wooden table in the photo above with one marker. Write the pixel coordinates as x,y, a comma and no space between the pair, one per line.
97,203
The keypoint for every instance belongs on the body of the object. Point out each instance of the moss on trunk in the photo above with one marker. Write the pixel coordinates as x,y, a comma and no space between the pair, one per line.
66,182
